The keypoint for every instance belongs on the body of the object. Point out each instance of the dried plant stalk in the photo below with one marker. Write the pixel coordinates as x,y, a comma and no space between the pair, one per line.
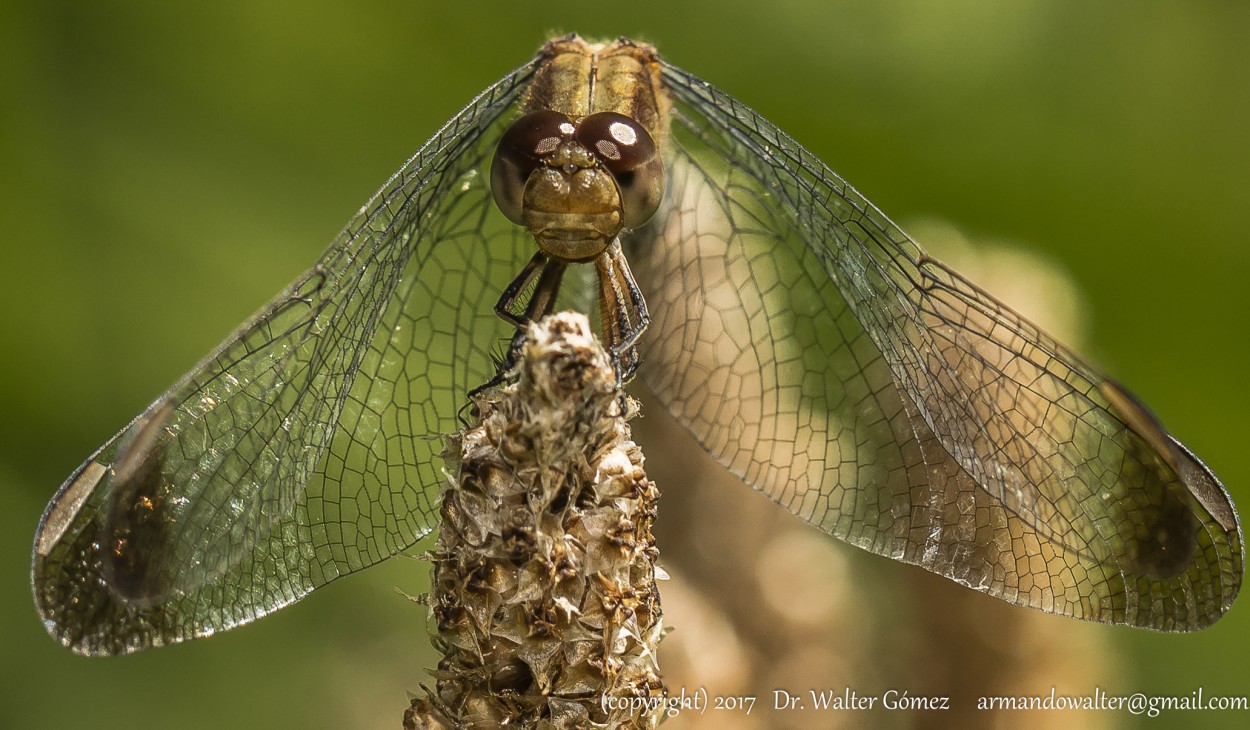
544,572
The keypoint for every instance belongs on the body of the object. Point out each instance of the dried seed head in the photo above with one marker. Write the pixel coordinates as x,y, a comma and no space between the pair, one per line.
544,574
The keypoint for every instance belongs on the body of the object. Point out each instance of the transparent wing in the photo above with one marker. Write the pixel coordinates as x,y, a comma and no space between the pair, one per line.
305,448
812,347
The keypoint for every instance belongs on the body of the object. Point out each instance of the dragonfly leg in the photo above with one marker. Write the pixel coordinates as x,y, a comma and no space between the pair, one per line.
623,310
549,273
513,291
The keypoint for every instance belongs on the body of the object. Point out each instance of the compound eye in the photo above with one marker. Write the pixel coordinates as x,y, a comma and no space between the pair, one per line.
620,143
627,151
521,150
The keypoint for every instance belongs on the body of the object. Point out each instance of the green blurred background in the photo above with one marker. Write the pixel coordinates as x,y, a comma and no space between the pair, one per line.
165,168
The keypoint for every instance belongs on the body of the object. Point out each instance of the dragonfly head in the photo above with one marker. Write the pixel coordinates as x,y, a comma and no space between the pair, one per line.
575,184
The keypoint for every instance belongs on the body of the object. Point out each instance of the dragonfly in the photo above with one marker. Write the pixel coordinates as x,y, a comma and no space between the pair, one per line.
802,338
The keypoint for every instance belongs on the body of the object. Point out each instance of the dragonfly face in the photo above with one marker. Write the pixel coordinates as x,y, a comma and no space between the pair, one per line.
801,337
